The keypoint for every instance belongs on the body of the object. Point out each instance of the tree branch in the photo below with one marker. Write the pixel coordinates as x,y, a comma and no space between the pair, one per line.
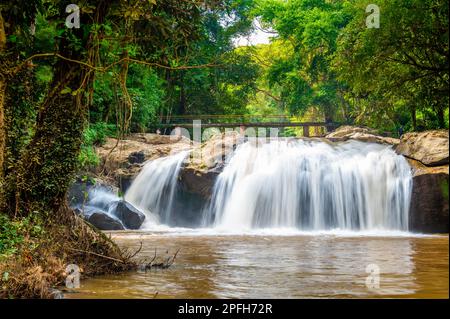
104,69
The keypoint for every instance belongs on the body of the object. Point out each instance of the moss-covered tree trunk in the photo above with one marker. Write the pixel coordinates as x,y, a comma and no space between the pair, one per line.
47,164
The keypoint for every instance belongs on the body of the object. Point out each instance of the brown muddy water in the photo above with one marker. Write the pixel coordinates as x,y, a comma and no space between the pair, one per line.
260,266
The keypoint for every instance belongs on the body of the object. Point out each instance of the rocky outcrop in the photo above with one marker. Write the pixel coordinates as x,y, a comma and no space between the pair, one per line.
199,175
78,194
429,201
430,147
362,134
427,153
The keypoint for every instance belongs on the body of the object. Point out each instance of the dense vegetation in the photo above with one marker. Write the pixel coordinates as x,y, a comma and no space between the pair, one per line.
135,64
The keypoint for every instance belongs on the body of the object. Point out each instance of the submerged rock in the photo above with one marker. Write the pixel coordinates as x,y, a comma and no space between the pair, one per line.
103,221
430,147
98,203
130,216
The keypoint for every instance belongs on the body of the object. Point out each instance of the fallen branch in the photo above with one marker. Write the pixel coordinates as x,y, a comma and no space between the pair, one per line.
95,254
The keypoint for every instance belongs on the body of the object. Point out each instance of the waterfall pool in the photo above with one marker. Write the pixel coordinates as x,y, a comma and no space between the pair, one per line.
287,265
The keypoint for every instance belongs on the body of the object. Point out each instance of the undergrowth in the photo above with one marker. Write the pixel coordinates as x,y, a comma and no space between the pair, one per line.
94,135
35,254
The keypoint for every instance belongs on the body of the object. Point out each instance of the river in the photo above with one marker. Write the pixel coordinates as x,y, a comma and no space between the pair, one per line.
278,265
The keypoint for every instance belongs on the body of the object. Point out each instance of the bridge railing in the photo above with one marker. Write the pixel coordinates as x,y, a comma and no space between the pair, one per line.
245,121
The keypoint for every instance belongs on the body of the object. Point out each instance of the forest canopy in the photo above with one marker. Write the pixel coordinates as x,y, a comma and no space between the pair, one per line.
133,65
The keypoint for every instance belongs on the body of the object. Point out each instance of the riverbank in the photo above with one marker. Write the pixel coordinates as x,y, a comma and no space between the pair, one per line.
36,259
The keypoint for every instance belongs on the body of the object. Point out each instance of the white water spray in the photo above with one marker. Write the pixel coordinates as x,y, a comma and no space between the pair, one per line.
312,185
154,188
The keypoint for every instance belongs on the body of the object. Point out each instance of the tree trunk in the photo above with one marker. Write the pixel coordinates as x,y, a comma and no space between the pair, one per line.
49,161
2,126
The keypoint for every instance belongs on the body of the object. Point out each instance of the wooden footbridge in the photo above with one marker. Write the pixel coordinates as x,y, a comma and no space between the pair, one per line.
243,122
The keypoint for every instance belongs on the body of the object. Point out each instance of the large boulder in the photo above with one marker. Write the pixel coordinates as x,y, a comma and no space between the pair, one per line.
104,221
216,150
362,134
130,216
429,201
430,147
198,181
200,173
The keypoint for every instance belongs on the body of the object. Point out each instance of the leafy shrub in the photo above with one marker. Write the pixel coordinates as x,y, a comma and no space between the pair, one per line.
94,135
97,133
13,234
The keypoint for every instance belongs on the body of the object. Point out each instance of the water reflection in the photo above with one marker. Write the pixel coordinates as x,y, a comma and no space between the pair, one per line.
280,267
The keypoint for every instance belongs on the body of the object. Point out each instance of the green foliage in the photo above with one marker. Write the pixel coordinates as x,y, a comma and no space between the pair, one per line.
304,75
327,59
94,135
16,233
145,88
401,68
88,157
97,133
9,236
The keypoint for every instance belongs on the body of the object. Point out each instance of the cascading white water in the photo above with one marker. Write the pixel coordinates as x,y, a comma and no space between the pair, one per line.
312,185
289,183
153,190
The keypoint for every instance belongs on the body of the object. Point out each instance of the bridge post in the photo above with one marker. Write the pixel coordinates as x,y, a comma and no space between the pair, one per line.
306,131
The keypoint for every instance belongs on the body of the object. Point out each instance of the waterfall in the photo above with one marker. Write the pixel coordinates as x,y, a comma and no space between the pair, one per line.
307,185
154,189
312,185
